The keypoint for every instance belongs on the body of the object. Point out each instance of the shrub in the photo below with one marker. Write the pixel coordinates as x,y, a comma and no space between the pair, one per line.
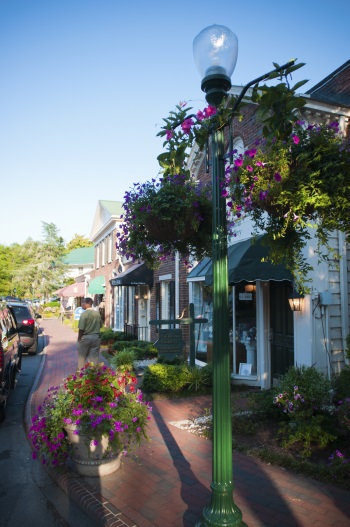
303,389
119,345
344,413
306,433
165,378
261,403
144,352
123,360
55,304
199,378
341,384
107,334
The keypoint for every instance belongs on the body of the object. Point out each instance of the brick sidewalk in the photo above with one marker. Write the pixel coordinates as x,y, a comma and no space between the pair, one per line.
168,483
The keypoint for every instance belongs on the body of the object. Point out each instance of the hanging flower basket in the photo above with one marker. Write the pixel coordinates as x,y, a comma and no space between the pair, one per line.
289,185
173,214
169,230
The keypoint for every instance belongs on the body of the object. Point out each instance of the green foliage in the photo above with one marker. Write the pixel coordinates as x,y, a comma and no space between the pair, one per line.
107,334
53,304
279,106
313,389
77,242
165,378
341,384
199,379
123,360
343,414
172,214
132,343
261,404
144,352
347,351
96,401
285,187
306,433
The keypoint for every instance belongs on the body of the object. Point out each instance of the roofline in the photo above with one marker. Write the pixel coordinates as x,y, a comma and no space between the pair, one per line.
329,77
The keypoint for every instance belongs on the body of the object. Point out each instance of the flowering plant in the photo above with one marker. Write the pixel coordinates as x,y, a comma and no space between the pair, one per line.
290,184
162,216
99,402
289,403
173,212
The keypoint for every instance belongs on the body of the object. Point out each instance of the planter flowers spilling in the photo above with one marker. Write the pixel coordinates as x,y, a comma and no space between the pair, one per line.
289,185
294,178
98,404
173,212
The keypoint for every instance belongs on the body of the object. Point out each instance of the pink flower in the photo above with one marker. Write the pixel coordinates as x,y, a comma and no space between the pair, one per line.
296,139
187,125
249,168
209,111
169,134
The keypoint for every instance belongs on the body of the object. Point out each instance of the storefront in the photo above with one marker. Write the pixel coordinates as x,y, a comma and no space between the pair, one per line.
260,319
131,300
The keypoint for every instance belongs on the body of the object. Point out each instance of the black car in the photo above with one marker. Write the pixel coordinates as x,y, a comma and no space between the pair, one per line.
10,356
27,325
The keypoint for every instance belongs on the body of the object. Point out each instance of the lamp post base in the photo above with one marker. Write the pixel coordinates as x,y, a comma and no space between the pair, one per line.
209,523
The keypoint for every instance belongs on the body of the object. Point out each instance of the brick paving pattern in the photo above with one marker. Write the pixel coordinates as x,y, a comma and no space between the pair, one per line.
167,482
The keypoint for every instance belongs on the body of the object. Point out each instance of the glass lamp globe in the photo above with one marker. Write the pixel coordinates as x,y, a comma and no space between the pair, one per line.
215,50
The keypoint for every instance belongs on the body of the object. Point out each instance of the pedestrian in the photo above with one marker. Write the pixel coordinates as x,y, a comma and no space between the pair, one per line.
89,326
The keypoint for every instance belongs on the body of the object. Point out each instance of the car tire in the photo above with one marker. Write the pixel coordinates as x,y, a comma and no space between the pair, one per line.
33,349
3,410
13,378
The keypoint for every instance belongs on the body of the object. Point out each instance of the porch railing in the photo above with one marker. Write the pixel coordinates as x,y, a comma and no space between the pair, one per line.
135,331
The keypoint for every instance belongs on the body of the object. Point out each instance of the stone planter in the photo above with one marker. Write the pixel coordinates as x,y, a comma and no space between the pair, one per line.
91,460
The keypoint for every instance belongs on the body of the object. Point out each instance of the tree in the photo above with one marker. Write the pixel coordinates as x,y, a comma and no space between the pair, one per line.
5,271
38,268
78,242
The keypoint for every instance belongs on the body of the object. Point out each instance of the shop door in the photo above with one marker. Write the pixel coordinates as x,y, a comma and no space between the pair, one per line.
282,329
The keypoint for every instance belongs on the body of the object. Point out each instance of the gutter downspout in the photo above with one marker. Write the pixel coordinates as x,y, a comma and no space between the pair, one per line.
344,291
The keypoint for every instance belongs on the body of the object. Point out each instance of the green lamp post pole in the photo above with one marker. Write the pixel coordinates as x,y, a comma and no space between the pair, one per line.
215,52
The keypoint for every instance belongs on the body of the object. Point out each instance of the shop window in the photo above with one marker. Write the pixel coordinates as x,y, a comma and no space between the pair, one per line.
245,332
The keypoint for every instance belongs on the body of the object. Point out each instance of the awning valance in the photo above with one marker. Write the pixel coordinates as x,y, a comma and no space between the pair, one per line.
138,274
97,286
76,290
245,264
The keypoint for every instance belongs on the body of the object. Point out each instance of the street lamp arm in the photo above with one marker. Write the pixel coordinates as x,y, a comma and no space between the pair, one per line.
264,77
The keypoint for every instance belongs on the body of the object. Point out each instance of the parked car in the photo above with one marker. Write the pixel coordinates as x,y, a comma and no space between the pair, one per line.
27,325
10,356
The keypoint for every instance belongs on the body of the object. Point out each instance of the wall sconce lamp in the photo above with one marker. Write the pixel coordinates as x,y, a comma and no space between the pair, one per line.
296,301
137,297
250,288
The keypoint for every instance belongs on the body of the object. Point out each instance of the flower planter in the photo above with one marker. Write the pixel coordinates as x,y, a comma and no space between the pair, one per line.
89,459
168,230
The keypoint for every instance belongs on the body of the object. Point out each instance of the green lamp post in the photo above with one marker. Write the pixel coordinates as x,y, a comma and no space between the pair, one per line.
215,52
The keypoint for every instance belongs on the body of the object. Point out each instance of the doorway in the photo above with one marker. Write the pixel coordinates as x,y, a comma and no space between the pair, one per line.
282,330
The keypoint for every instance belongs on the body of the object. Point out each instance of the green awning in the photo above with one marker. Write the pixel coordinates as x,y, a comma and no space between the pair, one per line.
97,286
244,265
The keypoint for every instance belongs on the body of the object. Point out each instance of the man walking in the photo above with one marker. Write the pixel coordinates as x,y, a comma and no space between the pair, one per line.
89,327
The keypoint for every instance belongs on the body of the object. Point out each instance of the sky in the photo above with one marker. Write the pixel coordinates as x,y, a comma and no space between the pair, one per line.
85,85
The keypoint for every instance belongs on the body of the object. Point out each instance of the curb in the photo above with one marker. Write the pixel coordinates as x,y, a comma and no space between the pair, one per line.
92,502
